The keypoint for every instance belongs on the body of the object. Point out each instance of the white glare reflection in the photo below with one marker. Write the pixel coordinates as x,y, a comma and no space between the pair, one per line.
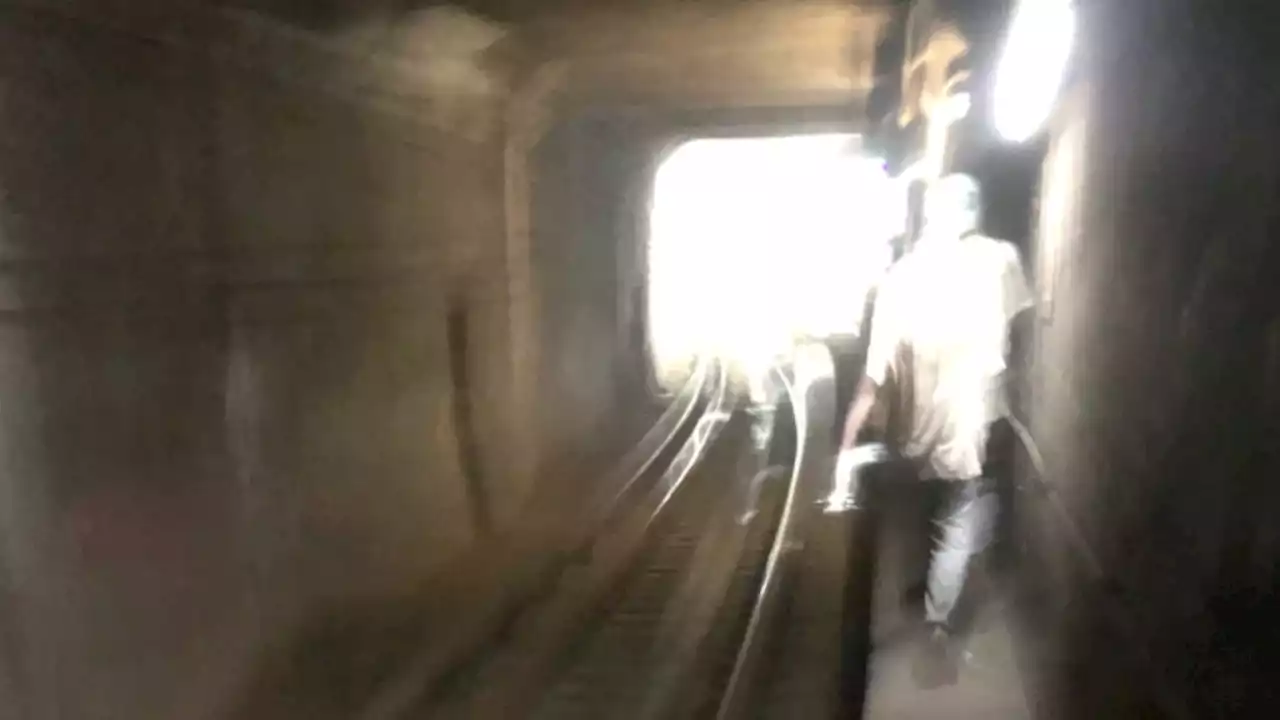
757,241
1032,66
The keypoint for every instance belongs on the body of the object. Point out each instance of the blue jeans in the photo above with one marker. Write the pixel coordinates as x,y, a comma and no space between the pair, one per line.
962,528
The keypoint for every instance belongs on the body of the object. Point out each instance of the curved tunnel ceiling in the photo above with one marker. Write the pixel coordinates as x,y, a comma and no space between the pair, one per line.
331,14
660,54
637,36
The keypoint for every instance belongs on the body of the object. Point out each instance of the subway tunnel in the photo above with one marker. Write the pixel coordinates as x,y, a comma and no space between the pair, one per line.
330,386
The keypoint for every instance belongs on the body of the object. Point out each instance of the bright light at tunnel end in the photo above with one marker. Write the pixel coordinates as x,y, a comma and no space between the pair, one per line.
757,241
1032,67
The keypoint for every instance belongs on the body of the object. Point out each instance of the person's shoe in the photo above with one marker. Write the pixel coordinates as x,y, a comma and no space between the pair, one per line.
935,664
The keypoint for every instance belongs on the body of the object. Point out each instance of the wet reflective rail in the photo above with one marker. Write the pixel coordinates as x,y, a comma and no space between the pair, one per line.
706,562
513,678
478,598
788,658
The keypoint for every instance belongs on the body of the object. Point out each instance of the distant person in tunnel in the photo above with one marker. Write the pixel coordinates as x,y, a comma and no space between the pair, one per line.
937,359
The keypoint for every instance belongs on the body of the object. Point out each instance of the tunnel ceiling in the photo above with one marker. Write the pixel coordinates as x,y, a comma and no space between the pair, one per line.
525,10
335,14
652,53
654,56
339,15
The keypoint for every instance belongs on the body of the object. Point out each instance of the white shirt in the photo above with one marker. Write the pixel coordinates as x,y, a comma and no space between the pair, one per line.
939,338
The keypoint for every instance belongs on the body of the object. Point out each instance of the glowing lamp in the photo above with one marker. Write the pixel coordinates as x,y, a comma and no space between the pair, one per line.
1032,67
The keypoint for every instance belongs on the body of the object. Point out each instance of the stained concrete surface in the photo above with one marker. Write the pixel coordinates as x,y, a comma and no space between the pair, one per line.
990,684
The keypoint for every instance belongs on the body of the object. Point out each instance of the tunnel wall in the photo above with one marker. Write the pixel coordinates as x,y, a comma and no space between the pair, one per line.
1155,344
229,249
589,402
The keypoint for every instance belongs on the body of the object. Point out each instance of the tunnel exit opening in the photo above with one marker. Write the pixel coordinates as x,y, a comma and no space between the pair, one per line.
756,242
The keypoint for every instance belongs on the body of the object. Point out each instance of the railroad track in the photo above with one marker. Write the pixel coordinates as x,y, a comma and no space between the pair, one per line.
667,605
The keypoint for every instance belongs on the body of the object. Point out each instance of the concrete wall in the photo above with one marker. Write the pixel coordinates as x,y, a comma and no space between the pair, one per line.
1150,395
228,251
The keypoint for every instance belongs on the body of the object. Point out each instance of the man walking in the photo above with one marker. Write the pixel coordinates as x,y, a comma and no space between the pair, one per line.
937,354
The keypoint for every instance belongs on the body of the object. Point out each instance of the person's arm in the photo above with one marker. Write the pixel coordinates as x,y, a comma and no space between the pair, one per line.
880,350
863,402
